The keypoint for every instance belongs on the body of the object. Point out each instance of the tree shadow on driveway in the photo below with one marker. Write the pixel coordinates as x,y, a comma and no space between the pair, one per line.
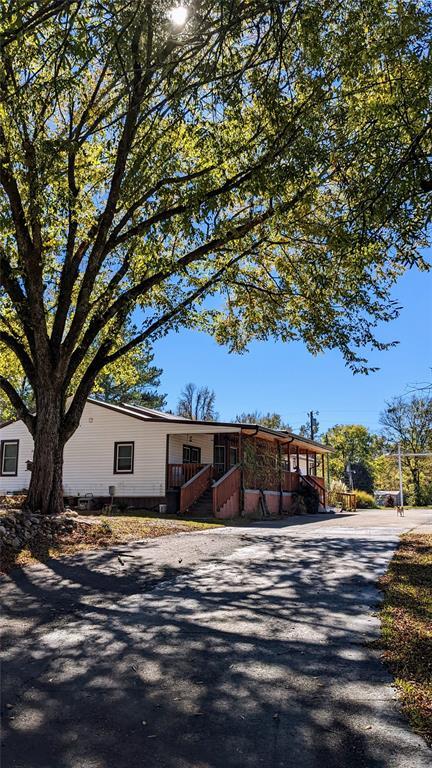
259,658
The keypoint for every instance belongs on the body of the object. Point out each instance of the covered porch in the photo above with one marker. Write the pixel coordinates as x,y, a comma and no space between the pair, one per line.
236,468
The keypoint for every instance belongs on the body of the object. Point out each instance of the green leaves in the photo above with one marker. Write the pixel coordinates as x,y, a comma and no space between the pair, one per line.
258,173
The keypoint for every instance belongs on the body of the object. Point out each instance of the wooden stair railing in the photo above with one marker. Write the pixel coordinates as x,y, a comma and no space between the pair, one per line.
313,483
195,487
226,487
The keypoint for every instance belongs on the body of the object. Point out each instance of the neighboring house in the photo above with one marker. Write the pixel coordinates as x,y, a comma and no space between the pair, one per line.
381,497
146,458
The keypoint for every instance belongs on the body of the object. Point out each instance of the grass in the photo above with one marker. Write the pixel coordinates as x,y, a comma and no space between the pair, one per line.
406,628
106,532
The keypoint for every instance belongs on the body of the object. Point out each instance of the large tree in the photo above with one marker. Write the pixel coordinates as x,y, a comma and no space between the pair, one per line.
354,449
259,170
197,403
409,422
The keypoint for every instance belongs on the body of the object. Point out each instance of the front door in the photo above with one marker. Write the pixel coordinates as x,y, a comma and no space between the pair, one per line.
219,460
191,454
225,453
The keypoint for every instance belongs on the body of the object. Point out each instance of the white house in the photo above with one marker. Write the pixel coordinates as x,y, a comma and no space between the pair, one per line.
146,458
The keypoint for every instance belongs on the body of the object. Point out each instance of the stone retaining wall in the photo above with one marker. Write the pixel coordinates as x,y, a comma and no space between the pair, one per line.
19,528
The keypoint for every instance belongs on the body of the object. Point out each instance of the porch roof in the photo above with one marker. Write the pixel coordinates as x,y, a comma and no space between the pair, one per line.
284,437
258,430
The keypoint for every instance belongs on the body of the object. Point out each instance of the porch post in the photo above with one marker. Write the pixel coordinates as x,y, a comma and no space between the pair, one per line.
315,465
240,458
289,468
167,465
279,453
298,460
307,462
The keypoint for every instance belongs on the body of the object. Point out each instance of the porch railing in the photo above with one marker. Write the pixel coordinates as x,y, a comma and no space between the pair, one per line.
179,474
348,501
290,480
195,487
226,487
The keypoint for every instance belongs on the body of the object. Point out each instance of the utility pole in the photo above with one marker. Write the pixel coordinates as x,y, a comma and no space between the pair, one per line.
400,475
312,426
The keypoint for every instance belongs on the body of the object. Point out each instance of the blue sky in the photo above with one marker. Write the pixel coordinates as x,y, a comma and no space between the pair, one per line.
286,378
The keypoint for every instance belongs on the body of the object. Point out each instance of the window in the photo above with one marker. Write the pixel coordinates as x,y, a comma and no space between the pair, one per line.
123,458
219,456
9,457
233,455
191,454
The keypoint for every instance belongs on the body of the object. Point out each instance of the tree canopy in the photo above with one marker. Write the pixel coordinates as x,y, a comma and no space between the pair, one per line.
364,460
262,170
409,422
355,447
133,379
272,420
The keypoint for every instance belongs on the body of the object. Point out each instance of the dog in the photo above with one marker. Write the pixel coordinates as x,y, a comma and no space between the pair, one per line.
400,511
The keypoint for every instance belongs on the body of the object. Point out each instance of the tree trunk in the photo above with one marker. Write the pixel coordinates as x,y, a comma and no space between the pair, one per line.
46,488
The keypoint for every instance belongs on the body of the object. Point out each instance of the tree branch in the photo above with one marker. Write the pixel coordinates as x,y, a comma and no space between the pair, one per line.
236,233
18,404
47,11
168,316
17,297
21,354
139,85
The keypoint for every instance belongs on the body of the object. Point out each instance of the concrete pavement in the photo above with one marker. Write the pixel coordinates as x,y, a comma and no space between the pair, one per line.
235,648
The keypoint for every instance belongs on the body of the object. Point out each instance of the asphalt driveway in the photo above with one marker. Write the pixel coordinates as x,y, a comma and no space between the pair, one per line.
240,648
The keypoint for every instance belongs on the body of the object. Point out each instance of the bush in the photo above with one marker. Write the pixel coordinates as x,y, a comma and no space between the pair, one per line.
365,500
338,486
310,497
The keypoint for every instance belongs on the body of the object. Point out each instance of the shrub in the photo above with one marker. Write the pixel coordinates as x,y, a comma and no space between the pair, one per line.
338,486
310,497
365,500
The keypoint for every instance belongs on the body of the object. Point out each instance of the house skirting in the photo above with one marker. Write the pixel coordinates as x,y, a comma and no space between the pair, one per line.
251,501
149,503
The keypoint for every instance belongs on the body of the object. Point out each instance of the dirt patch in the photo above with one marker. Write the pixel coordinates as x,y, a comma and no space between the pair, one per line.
98,533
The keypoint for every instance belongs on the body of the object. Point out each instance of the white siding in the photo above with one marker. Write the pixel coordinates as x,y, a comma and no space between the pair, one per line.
176,443
17,431
302,463
89,454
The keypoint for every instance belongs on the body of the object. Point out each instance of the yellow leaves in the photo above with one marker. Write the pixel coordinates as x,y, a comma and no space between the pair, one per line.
123,371
11,369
